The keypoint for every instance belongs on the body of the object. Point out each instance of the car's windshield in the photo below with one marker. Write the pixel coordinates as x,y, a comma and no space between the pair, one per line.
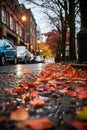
1,44
20,48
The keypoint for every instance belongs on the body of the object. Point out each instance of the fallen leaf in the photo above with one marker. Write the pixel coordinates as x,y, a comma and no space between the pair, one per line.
82,114
37,124
26,73
20,114
18,90
63,90
71,93
79,125
37,102
33,93
9,90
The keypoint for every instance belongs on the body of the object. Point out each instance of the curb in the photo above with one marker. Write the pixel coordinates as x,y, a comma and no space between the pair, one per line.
79,66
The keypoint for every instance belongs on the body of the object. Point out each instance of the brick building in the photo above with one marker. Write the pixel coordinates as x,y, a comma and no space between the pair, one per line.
14,28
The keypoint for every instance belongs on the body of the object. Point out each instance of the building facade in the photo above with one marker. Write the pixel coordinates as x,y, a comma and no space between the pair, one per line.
13,27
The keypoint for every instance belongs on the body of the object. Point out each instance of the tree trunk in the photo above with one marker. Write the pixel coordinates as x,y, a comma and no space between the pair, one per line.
64,30
83,10
72,52
63,39
82,35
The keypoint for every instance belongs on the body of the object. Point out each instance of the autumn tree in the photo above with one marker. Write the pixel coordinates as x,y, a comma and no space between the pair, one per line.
53,41
61,14
46,50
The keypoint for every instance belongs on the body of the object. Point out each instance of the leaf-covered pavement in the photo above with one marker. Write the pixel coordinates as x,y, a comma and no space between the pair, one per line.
55,99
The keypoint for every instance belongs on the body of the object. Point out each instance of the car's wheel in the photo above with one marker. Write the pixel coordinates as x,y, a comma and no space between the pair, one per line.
2,60
15,61
25,60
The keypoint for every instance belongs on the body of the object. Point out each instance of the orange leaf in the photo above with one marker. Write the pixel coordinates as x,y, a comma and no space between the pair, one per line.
27,73
38,124
79,125
82,92
37,102
33,93
85,73
19,115
18,90
79,89
9,90
82,95
49,89
63,91
71,93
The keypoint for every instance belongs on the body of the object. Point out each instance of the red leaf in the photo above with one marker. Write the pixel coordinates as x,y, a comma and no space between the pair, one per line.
79,125
18,90
71,93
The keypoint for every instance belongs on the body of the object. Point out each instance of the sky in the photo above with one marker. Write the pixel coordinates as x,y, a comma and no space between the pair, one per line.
41,19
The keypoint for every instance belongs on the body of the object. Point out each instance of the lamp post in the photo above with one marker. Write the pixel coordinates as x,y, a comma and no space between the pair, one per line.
24,18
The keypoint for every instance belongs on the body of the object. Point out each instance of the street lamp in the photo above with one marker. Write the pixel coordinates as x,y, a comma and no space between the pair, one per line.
23,18
38,41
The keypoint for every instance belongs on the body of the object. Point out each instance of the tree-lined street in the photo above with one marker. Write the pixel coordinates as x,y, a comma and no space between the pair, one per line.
49,95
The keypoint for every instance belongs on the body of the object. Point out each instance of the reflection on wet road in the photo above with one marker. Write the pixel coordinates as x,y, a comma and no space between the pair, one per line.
12,75
19,69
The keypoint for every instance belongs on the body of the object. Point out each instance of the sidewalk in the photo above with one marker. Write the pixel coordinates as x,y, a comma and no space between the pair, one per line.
79,66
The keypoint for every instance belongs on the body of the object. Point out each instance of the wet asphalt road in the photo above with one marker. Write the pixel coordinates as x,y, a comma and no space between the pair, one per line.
21,68
12,75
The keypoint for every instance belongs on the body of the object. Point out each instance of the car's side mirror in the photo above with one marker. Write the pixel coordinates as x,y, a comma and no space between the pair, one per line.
7,46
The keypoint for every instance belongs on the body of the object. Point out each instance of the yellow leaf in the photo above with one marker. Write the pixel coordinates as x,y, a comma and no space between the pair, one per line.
82,114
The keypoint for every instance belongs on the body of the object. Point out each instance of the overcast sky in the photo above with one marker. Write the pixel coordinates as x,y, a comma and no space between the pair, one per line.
41,19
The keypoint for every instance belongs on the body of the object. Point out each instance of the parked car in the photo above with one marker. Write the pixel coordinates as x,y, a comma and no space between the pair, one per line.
22,54
39,59
32,58
7,52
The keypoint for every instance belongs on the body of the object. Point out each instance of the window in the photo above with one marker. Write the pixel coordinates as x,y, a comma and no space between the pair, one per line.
17,28
11,22
4,15
20,31
8,44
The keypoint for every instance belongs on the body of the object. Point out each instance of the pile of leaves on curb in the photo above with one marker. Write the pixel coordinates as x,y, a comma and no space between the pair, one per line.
55,99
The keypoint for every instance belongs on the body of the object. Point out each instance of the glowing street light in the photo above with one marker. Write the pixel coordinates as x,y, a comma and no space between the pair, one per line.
38,41
40,50
24,18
